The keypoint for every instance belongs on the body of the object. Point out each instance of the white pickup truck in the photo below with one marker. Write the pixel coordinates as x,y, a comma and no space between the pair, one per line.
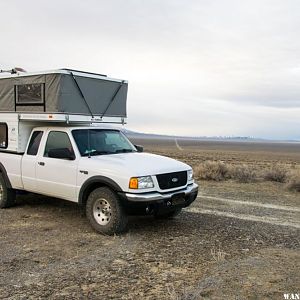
75,156
99,168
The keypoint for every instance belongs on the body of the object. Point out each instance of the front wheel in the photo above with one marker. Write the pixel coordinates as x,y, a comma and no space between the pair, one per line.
168,214
105,213
7,196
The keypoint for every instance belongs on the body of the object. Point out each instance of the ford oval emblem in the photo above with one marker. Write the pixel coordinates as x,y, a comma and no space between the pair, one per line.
174,179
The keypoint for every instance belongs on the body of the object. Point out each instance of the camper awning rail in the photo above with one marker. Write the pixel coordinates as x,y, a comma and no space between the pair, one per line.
69,118
64,71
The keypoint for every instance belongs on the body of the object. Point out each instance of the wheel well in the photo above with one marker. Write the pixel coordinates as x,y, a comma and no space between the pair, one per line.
90,188
93,183
3,173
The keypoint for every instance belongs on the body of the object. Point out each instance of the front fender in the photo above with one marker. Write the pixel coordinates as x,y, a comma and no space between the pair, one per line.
90,184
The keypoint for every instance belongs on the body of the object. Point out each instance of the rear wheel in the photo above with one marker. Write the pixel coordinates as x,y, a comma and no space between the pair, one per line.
105,213
172,213
7,196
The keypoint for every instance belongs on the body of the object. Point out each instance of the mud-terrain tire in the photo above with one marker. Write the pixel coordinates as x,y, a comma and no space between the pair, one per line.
105,212
7,196
169,214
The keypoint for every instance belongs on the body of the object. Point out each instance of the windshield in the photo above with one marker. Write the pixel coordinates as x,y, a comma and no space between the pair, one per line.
101,141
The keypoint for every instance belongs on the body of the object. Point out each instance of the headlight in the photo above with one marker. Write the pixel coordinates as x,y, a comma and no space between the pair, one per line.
190,175
144,182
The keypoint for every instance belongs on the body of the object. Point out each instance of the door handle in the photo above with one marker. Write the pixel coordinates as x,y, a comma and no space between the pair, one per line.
41,163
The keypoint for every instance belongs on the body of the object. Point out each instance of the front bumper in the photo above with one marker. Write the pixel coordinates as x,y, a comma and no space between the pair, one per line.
179,198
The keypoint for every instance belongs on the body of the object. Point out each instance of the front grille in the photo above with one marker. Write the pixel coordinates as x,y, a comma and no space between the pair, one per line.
172,180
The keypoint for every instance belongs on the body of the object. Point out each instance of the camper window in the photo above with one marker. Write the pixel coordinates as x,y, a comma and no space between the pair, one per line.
3,135
30,93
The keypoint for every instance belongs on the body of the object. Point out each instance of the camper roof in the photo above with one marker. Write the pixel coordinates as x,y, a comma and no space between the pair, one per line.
65,71
63,91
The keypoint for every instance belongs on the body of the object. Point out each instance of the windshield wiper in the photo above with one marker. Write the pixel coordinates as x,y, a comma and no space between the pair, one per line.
93,153
98,152
124,151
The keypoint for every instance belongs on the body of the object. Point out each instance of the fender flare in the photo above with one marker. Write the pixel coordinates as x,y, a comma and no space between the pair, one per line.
89,183
5,177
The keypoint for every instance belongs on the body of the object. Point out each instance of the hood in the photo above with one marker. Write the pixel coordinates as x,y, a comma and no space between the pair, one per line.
138,164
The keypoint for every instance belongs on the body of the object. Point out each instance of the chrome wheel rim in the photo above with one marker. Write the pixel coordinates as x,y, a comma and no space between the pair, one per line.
102,211
1,192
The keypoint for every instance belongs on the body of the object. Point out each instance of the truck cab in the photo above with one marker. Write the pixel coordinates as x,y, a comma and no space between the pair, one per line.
99,168
103,156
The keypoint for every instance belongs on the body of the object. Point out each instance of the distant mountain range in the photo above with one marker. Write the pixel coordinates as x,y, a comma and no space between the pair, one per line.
139,135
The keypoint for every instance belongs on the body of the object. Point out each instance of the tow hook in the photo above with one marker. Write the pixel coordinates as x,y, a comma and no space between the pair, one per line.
149,210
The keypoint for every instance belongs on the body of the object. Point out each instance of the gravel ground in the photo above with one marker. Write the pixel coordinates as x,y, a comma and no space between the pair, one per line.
237,241
49,251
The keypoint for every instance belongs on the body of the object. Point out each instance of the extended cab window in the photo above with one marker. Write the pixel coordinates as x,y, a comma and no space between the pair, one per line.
58,141
35,143
3,135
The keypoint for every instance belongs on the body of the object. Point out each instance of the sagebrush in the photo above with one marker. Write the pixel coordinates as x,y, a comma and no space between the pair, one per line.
276,173
243,173
212,170
220,171
293,182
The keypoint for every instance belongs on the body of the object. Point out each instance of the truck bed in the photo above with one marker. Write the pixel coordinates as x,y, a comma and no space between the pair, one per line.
12,164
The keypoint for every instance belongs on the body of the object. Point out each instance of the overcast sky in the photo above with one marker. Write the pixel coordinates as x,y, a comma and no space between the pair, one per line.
195,67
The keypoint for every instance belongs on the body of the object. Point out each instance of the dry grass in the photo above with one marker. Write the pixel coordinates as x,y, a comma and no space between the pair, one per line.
185,294
212,170
293,182
195,293
244,173
220,171
218,255
276,173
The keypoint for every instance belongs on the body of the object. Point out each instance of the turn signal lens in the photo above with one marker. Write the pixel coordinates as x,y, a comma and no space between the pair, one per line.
133,183
143,182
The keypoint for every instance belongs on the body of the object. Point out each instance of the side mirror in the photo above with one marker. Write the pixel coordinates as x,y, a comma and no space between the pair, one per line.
139,148
61,153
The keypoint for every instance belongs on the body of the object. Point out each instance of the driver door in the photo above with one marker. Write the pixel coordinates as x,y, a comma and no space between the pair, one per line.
56,176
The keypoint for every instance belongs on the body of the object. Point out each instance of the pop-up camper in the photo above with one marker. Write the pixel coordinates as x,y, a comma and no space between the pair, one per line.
68,96
64,91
